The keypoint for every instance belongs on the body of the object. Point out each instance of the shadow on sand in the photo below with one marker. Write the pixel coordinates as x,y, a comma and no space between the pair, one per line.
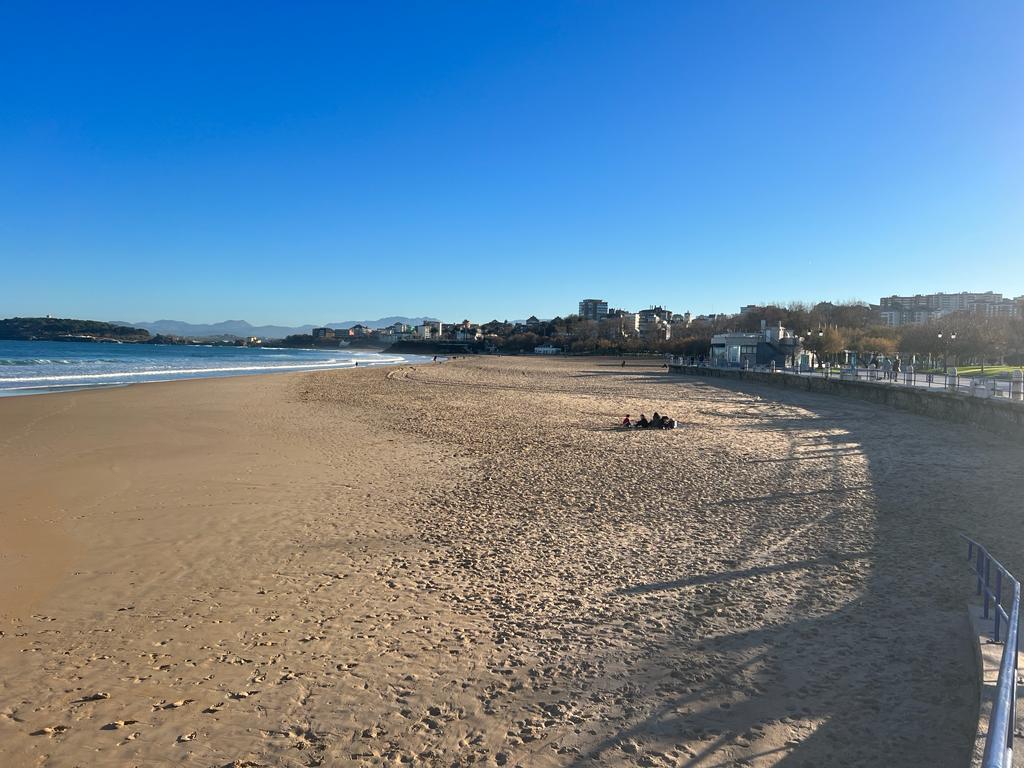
883,678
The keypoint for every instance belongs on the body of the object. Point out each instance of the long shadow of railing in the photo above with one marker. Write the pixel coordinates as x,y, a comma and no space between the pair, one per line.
747,573
885,677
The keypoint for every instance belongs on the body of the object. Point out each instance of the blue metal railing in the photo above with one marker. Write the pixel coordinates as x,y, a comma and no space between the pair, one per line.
1007,390
999,740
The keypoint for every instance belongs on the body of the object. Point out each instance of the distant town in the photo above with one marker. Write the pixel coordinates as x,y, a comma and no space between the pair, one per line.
974,327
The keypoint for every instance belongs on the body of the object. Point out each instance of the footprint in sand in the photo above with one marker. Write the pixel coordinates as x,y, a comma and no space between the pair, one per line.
172,704
50,730
98,696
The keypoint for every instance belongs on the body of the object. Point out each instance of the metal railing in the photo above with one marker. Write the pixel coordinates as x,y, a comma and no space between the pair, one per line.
1011,389
999,739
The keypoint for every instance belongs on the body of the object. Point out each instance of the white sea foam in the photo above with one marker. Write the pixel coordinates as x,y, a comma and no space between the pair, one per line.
324,365
78,365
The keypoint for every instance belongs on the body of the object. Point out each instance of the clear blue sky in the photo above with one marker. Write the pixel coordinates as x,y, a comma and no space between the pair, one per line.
296,162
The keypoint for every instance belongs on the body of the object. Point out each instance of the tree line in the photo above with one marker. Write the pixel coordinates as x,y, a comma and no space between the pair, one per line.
830,330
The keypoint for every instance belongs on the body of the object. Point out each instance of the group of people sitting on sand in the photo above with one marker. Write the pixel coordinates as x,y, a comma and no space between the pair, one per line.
656,421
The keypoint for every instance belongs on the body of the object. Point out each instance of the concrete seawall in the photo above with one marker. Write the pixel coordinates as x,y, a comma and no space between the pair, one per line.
999,416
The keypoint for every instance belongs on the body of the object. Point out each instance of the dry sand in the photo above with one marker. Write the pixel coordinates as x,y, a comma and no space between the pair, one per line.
465,564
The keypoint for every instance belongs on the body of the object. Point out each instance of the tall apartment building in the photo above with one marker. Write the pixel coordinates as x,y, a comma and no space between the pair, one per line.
655,323
593,309
1004,308
922,308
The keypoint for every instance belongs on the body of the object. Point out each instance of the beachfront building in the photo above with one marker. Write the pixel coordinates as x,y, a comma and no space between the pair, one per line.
736,349
546,349
772,344
593,309
323,333
655,323
429,330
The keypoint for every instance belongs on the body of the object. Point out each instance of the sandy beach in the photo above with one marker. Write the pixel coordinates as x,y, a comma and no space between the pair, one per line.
465,563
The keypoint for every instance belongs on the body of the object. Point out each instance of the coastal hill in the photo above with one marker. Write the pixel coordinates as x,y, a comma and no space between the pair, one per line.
243,329
63,329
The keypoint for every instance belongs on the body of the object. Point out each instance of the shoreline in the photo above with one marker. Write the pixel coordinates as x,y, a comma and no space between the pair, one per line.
362,569
36,383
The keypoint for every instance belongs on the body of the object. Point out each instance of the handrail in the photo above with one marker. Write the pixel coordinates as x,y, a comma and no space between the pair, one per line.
999,739
1005,390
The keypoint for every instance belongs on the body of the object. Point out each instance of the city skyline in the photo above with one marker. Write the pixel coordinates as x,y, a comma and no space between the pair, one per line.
282,166
676,307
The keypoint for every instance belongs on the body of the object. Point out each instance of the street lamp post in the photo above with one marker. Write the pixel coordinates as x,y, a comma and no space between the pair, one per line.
945,349
817,346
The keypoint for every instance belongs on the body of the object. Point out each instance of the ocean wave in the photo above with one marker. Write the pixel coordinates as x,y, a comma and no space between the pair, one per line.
322,365
49,387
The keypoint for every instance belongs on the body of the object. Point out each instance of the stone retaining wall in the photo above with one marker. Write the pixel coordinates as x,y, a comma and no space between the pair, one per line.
1000,416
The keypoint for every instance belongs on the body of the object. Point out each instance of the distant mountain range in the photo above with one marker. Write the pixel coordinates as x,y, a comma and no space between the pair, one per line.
242,329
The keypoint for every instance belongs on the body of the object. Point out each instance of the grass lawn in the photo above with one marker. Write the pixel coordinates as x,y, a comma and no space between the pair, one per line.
1003,371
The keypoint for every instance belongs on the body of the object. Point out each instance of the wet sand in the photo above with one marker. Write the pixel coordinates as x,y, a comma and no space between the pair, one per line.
467,564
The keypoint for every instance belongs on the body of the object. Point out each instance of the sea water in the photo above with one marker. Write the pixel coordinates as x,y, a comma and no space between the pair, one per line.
33,367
